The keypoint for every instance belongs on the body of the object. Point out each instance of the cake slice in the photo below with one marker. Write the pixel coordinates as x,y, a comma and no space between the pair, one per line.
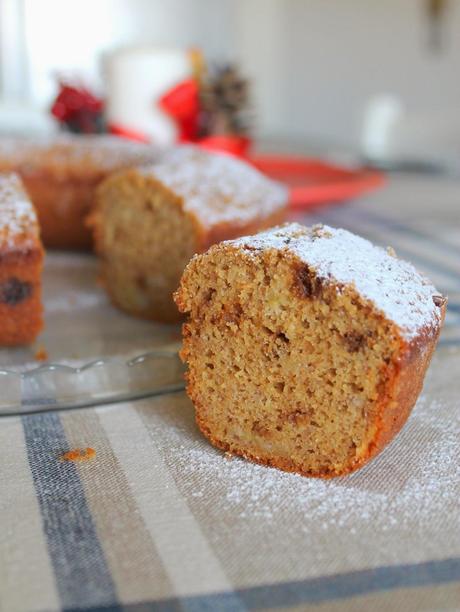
306,347
21,261
149,221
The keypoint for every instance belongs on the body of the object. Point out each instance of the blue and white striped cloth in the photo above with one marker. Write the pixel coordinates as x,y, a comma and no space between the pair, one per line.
160,520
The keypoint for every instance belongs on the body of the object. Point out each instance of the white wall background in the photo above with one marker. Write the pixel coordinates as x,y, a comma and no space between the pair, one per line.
64,36
319,62
314,63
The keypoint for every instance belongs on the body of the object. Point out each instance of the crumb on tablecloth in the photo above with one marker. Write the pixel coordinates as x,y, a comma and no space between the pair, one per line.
79,454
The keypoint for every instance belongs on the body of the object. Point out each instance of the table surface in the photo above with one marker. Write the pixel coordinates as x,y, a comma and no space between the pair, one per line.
160,520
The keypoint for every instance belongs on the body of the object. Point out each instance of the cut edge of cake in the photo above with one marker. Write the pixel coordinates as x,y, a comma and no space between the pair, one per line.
149,221
21,263
396,348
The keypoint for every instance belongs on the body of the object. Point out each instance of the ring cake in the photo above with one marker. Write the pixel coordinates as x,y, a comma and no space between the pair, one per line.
61,174
21,261
149,221
306,348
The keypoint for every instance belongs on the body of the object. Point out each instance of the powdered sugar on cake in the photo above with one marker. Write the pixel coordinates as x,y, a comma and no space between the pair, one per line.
394,286
17,215
225,188
74,154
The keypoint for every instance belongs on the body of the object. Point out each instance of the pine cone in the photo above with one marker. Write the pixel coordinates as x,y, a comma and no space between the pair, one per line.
224,101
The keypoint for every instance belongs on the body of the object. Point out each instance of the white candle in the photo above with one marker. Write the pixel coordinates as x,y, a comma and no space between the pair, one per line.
136,79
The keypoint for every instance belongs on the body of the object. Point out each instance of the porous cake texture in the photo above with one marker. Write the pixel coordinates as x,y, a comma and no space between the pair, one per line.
61,174
306,347
149,221
21,262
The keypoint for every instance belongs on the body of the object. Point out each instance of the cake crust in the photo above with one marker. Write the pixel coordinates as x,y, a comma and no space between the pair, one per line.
318,262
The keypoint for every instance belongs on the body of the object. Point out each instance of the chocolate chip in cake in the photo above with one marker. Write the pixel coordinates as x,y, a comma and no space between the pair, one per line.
13,291
232,313
310,285
208,295
439,300
281,336
354,341
141,282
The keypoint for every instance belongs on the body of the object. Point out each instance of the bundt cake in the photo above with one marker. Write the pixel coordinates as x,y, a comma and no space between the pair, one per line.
149,221
21,261
61,173
306,348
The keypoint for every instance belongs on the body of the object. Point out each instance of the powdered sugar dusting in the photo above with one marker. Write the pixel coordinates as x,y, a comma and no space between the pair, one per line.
413,482
72,154
394,286
17,215
263,492
220,188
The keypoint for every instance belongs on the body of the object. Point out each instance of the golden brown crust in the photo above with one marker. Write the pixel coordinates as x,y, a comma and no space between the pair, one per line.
404,387
62,207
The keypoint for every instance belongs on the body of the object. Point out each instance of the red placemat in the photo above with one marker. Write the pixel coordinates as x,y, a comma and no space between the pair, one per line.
313,182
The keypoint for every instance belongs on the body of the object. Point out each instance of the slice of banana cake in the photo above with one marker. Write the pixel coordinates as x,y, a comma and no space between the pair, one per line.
306,347
149,221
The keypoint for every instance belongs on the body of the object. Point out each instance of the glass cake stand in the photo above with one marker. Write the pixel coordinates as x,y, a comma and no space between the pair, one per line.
95,354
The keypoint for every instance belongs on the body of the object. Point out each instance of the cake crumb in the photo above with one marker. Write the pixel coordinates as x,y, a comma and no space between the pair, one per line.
79,454
41,354
391,252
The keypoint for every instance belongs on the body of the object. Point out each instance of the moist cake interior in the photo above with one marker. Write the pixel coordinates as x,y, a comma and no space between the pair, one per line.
150,241
283,367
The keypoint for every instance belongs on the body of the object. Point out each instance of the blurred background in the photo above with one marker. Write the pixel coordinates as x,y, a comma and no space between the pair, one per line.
378,78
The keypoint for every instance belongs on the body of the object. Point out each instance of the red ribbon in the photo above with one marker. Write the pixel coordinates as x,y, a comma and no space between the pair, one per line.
182,103
119,130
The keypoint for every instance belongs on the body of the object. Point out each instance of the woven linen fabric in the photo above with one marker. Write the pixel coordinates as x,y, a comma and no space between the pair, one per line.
160,520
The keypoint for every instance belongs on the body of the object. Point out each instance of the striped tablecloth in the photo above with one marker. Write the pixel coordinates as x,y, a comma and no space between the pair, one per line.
160,520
